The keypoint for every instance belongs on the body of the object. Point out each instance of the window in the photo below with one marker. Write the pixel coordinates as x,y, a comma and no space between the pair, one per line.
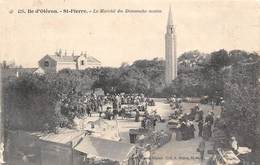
172,30
46,63
82,62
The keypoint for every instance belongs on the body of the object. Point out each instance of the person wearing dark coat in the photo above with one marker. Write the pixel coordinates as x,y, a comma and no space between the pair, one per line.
108,114
154,122
210,120
137,116
192,114
200,126
115,112
114,104
183,130
143,123
200,115
89,110
192,131
123,113
206,132
189,132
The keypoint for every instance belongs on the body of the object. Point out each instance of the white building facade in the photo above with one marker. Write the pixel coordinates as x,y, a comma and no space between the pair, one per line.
59,61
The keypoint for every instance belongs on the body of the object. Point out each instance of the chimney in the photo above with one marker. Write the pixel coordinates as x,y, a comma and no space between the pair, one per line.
60,52
4,64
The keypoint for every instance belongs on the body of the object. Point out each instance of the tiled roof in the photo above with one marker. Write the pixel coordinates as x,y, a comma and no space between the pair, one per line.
64,58
72,58
64,136
92,59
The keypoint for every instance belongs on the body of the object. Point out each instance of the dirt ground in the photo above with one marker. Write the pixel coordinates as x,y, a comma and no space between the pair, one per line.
174,152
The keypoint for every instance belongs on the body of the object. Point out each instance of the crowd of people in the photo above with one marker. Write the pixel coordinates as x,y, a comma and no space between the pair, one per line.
187,120
127,106
108,106
149,121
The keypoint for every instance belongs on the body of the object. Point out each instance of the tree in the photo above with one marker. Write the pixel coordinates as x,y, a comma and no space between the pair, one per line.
34,102
29,103
219,59
241,109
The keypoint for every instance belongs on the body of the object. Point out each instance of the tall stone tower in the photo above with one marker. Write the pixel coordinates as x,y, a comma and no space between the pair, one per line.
170,51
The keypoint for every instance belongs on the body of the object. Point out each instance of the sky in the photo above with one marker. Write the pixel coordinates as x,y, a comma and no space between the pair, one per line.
204,25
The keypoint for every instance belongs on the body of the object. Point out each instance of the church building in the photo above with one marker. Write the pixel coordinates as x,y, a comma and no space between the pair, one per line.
170,51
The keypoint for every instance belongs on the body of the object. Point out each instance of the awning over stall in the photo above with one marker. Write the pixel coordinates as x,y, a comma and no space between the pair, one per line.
106,149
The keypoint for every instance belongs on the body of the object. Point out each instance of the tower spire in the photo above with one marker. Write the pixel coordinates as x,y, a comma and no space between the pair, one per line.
170,22
170,51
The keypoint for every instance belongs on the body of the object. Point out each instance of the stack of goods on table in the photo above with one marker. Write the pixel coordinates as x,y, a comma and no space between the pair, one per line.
228,157
155,139
134,134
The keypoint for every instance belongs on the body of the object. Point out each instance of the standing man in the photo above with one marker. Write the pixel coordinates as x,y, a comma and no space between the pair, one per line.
200,126
89,110
183,129
123,113
200,115
137,115
210,120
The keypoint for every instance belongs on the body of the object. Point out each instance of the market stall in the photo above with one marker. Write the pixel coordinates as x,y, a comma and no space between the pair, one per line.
128,110
143,137
103,151
227,157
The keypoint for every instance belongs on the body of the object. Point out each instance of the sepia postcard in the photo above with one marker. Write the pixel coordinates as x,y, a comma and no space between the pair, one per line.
130,82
